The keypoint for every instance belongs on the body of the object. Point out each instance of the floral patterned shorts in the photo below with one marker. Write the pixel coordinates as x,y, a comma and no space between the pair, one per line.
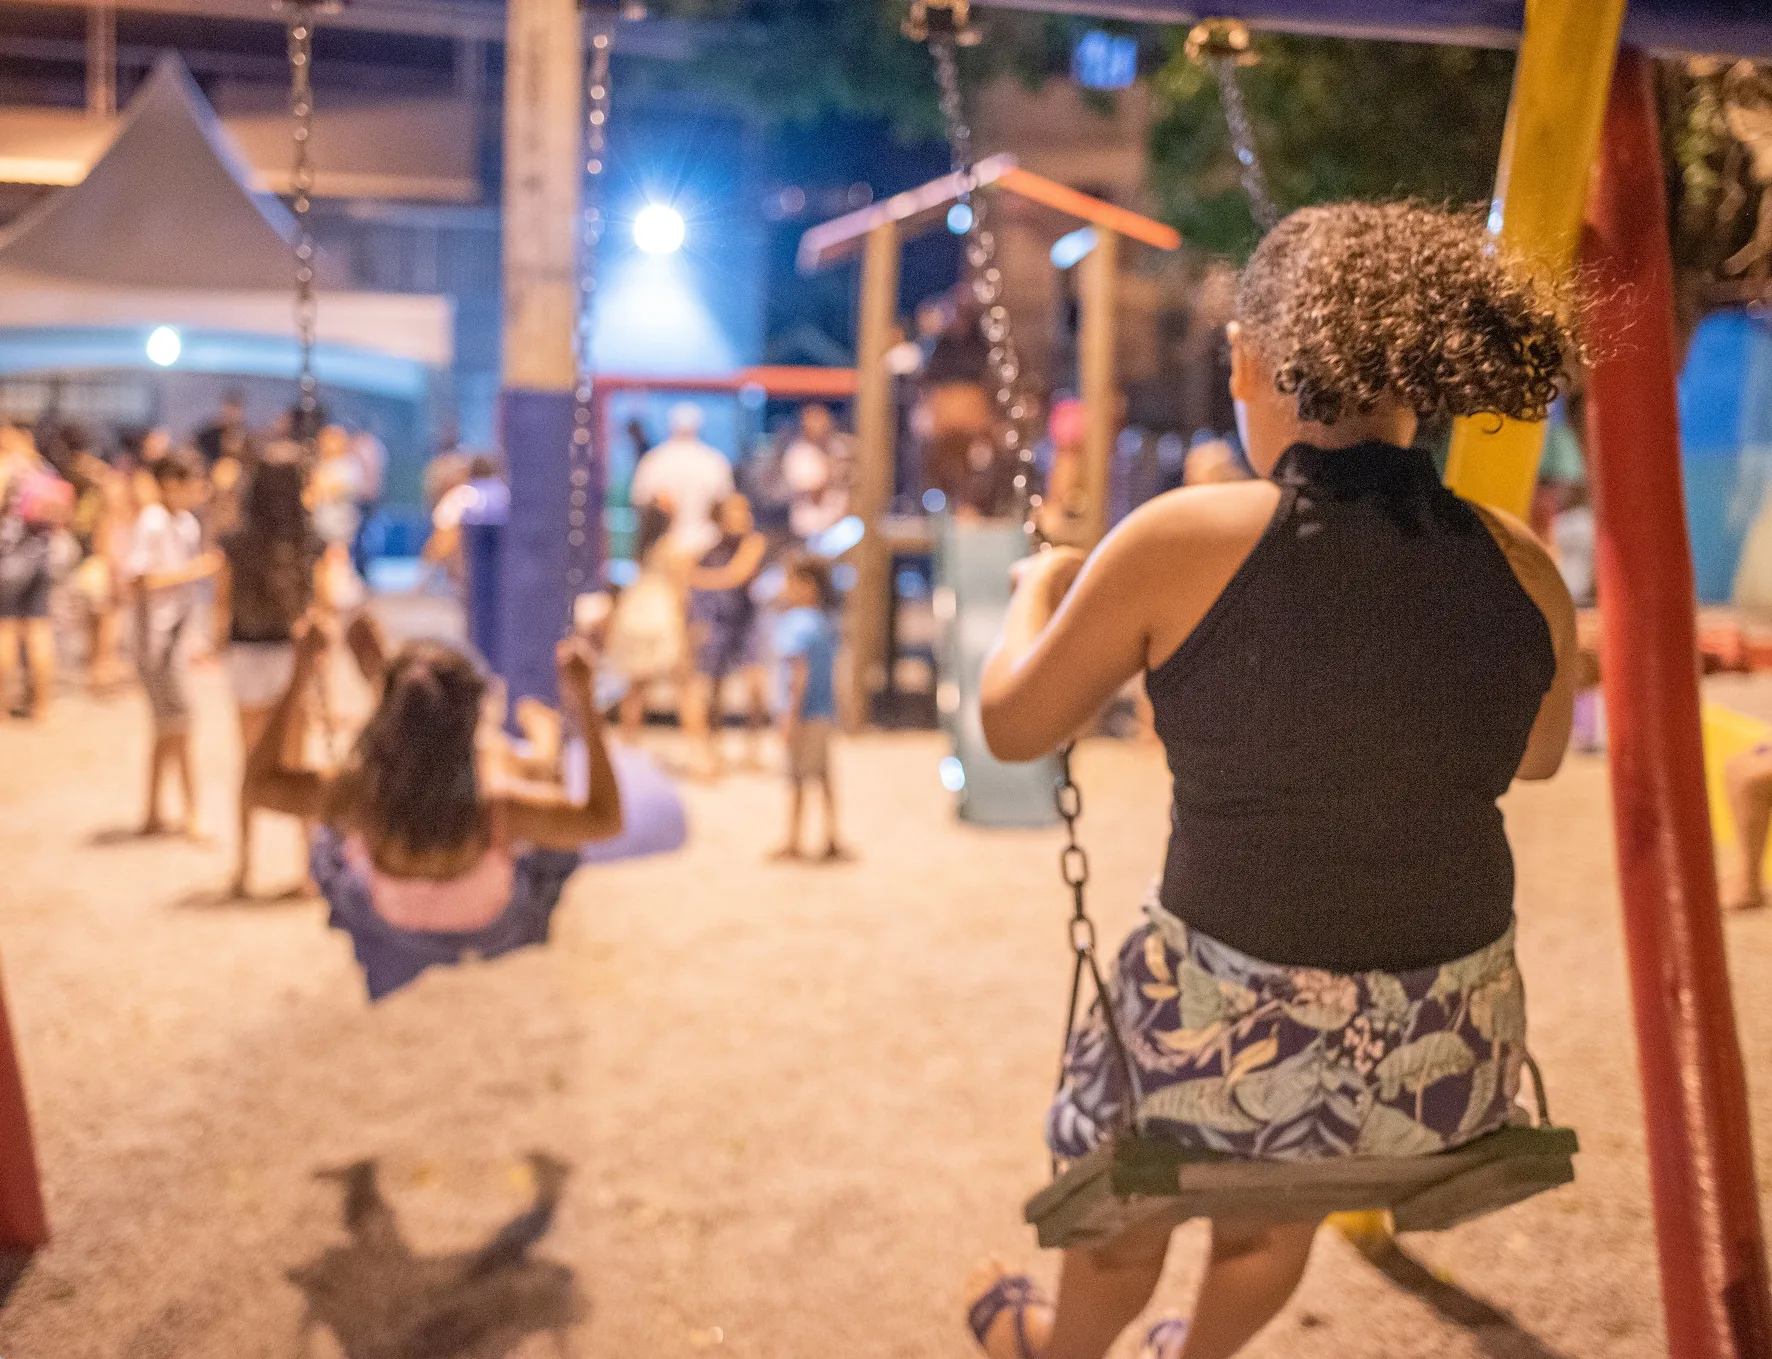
1261,1061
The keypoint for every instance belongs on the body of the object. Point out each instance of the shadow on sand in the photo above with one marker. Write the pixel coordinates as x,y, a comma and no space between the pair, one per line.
382,1301
1496,1333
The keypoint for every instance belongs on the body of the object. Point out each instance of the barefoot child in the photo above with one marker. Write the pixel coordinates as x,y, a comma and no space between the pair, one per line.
165,565
806,645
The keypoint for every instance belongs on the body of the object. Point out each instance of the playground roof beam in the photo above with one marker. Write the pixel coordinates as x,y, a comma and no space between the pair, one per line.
1661,26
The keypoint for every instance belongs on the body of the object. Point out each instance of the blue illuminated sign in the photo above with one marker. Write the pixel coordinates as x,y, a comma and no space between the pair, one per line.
1105,61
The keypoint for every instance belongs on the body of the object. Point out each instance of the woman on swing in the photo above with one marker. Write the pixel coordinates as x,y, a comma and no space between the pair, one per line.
433,843
1348,666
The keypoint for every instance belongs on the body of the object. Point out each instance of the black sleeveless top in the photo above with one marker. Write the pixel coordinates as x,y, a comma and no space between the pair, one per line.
1343,720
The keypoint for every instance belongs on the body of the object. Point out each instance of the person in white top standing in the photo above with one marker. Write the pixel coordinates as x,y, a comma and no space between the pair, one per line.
685,478
165,564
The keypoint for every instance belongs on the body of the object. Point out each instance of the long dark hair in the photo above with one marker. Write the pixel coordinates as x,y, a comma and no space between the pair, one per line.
412,783
274,541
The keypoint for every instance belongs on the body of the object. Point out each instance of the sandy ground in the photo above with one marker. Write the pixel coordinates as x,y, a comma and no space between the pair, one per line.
798,1102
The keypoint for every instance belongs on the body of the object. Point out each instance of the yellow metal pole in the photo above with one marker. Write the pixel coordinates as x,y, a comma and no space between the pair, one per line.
1097,374
875,428
1547,153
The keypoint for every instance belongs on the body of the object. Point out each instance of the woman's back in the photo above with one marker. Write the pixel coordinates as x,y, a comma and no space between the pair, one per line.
1343,719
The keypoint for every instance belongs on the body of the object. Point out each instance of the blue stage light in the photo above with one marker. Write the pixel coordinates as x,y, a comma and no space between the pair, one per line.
960,219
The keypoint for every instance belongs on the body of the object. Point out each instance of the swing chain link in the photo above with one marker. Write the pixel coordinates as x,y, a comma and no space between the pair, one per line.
580,539
987,274
1073,867
1223,46
302,16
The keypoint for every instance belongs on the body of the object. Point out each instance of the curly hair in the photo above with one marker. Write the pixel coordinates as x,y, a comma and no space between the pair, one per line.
1357,304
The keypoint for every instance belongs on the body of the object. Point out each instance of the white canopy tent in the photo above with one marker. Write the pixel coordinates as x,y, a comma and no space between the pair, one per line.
166,230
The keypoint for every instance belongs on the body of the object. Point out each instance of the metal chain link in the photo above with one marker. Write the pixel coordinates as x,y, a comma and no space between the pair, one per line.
987,282
1073,867
302,14
580,537
1223,46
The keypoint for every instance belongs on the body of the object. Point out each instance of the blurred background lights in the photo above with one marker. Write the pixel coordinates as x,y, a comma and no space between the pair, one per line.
953,774
164,346
659,229
960,219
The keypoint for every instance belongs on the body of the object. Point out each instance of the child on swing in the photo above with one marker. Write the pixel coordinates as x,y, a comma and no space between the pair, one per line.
433,842
1348,666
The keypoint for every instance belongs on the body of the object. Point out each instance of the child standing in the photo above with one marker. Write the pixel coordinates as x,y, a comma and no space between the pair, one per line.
806,646
166,564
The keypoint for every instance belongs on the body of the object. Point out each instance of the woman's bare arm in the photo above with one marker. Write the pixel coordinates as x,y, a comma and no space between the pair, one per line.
744,564
1077,630
542,813
268,782
1539,577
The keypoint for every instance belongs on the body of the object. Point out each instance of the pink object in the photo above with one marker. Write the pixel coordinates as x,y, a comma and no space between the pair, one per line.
1066,425
460,905
44,498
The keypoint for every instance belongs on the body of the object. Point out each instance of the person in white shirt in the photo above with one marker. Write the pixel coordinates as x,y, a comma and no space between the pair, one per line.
816,469
165,563
685,478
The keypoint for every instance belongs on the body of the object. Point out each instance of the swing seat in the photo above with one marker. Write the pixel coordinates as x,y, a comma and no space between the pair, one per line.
1137,1179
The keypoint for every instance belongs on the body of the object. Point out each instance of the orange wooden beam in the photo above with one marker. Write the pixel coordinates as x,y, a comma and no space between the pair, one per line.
1052,194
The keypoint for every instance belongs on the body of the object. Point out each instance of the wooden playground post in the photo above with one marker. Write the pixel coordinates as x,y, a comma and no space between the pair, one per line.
1098,280
1707,1205
875,430
1547,151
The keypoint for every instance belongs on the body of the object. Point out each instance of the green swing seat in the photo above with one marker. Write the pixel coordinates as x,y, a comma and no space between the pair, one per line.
1137,1179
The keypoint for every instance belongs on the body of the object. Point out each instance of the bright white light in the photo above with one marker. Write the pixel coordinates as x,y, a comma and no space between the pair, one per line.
959,219
659,229
952,774
164,346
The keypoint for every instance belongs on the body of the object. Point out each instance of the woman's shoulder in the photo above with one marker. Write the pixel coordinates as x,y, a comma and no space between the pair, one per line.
1196,520
1535,569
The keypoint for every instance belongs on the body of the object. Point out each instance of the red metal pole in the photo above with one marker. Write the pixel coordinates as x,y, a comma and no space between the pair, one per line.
1707,1219
22,1222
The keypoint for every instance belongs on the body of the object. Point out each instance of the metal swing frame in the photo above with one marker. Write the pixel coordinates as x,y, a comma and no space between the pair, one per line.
1138,1178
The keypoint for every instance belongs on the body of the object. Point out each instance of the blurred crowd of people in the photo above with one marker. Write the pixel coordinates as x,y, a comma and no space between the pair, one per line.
172,555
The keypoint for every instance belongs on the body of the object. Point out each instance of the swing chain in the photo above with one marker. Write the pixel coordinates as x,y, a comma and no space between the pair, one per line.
580,555
302,15
1223,45
1073,867
981,255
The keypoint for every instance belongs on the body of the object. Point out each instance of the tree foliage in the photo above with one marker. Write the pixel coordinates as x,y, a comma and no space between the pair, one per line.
1333,119
795,61
1716,123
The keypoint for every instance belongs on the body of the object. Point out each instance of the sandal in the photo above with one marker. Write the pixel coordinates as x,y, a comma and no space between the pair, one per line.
1165,1339
1014,1292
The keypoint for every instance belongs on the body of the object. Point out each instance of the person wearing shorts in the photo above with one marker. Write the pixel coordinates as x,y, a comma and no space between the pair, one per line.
271,561
806,647
166,564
